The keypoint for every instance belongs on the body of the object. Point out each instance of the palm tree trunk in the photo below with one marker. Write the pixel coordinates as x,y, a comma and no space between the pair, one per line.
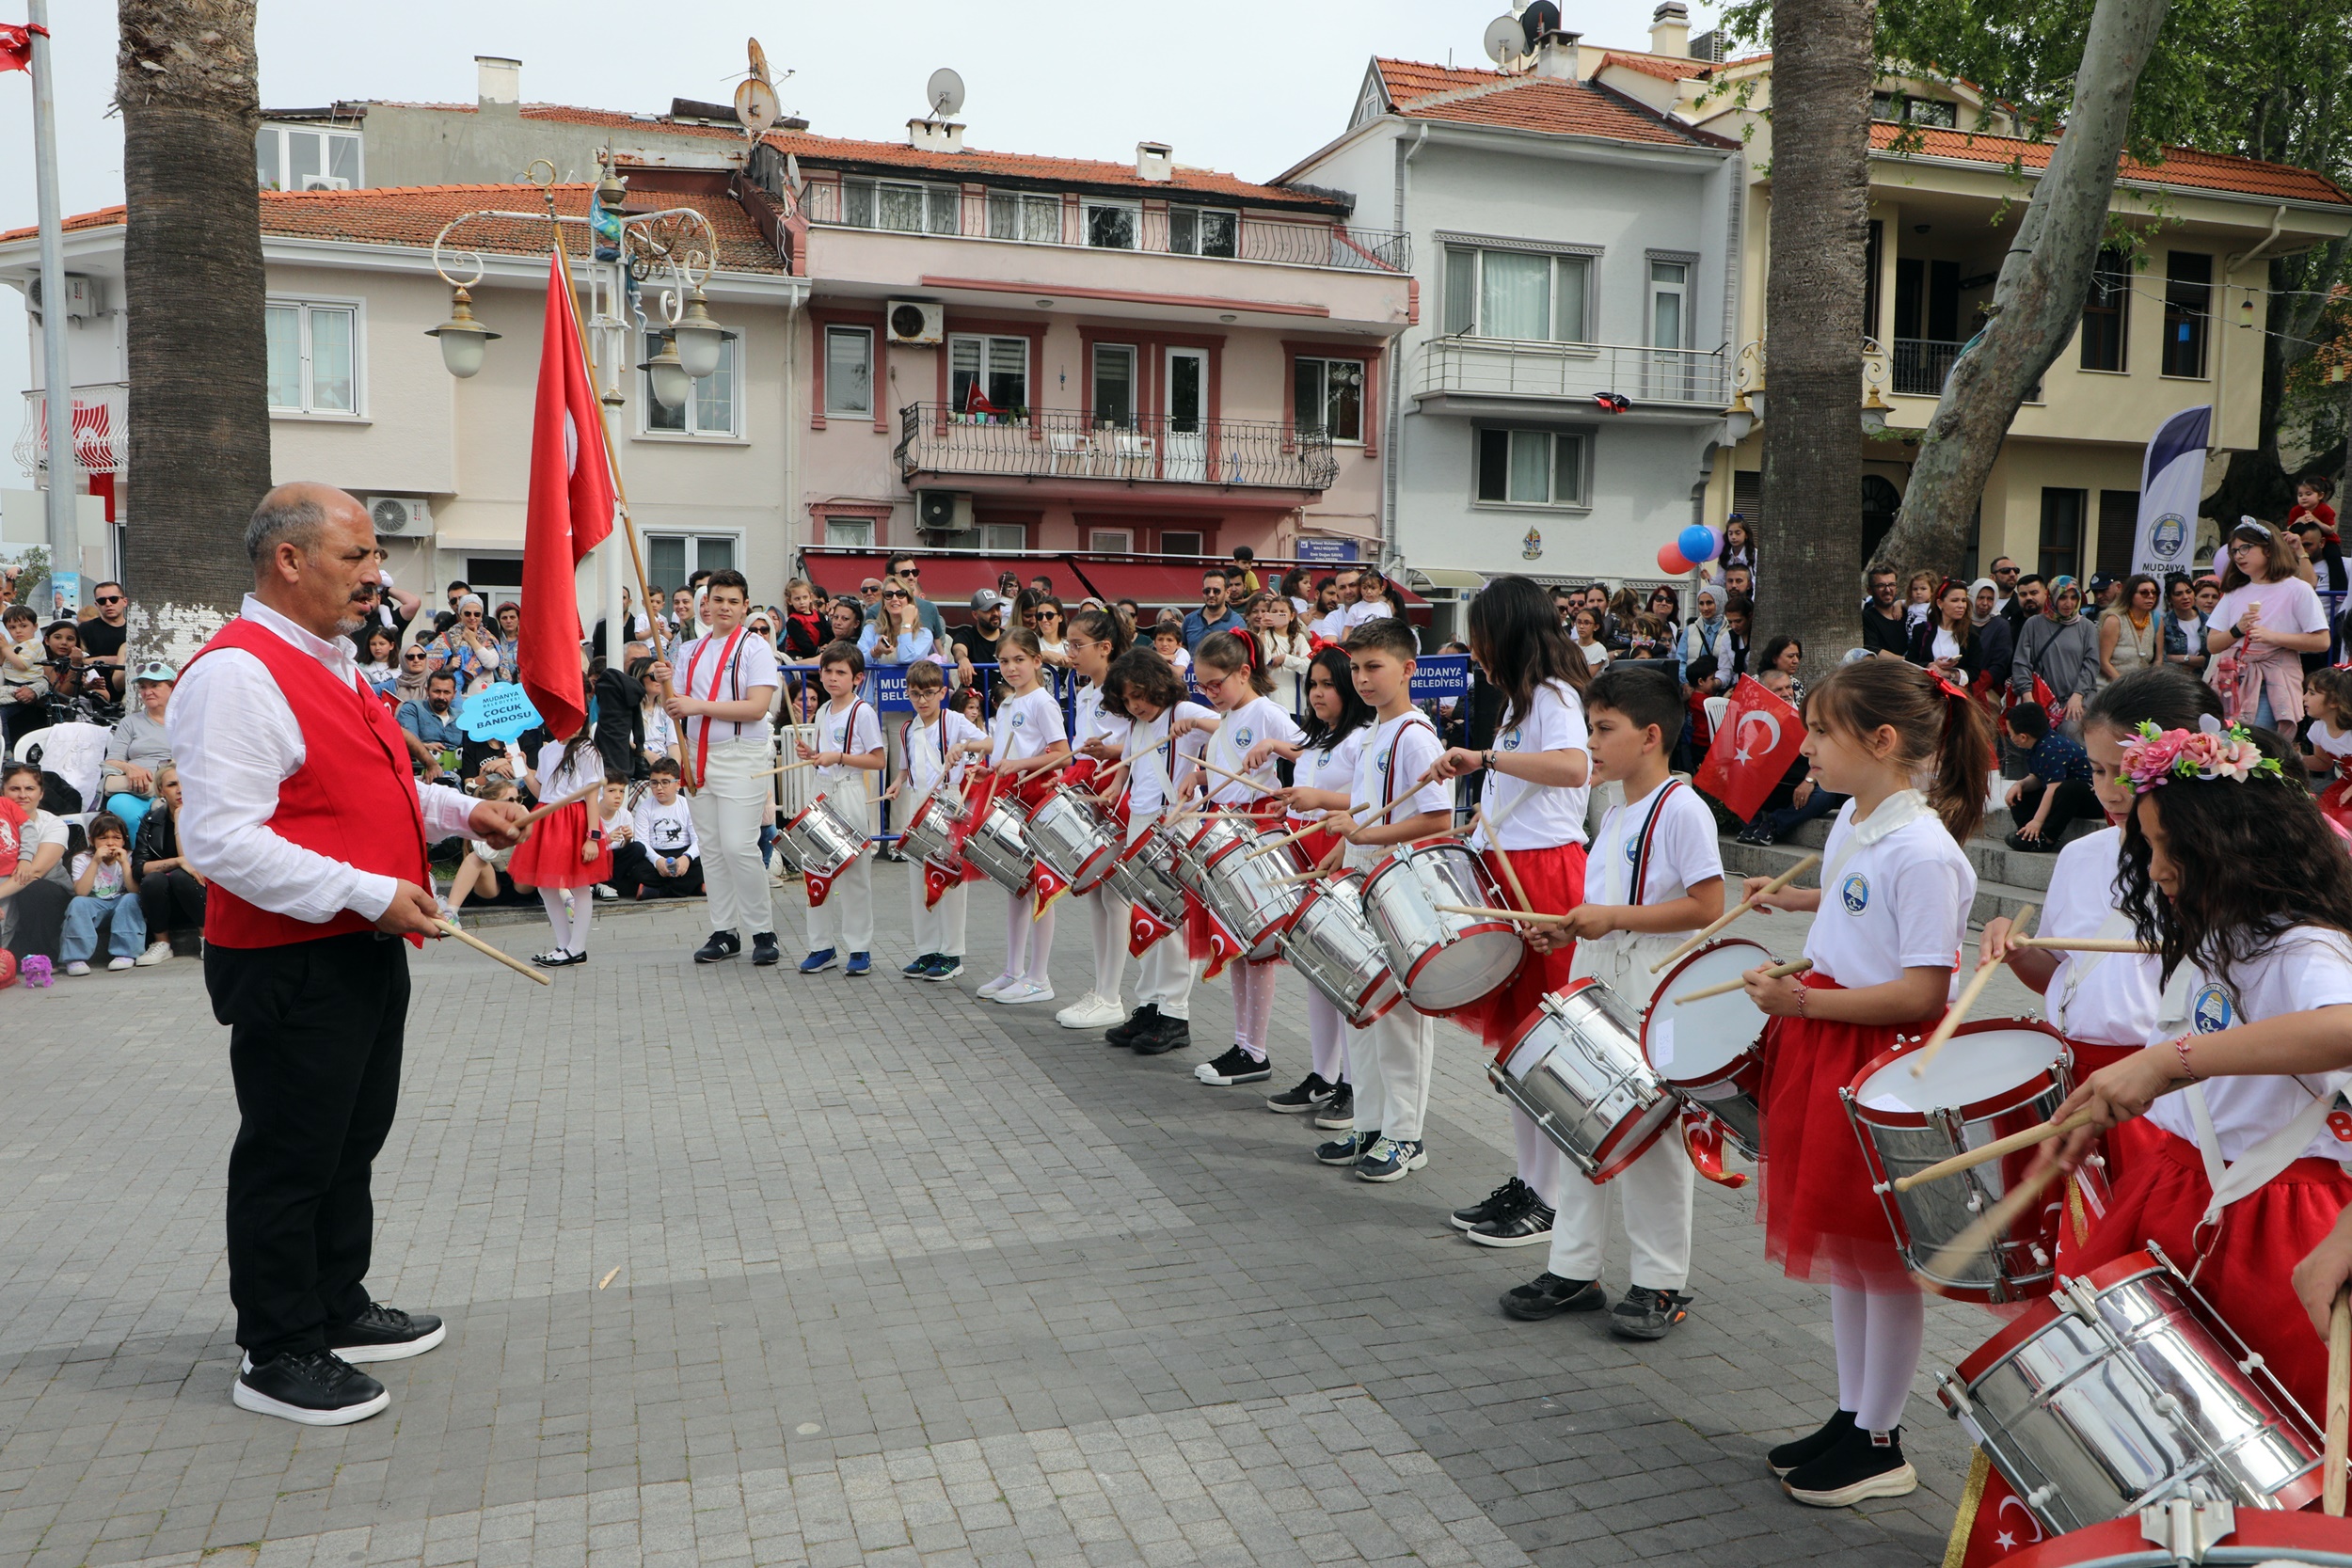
1810,543
185,82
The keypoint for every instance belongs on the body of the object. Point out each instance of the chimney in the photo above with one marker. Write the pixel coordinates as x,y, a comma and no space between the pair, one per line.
1154,160
498,80
935,135
1555,56
1670,30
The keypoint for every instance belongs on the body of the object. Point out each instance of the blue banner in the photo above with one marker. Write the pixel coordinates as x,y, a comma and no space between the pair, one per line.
1330,551
1437,676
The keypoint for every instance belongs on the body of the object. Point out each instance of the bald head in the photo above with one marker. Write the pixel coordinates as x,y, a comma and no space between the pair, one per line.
296,514
315,559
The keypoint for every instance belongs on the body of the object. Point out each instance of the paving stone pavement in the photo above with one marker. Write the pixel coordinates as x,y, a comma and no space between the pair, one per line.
746,1267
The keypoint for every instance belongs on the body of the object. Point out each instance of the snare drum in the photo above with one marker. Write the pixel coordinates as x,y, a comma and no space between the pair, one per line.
931,833
1254,899
822,839
1329,941
2124,1389
1710,1053
1993,1078
1074,836
1578,1071
1145,874
1446,961
2167,1535
999,846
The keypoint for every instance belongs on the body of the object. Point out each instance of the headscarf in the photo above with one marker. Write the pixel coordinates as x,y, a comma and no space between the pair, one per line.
2059,586
408,687
1974,589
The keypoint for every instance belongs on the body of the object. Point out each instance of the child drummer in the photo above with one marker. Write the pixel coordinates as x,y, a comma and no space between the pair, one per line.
931,738
849,745
1147,688
1657,876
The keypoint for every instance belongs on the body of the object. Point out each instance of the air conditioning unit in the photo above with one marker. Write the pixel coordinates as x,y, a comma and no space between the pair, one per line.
326,183
916,321
400,516
81,298
944,517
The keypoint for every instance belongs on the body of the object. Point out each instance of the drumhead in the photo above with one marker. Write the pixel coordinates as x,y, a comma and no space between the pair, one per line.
1981,1063
1694,1041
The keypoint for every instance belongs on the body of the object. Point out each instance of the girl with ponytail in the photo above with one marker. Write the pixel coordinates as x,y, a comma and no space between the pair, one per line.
1096,637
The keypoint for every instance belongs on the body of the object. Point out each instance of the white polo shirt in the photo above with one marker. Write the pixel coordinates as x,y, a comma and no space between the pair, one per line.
1901,903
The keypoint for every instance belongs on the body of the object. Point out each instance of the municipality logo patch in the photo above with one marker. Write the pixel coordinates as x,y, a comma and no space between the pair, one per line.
1855,892
2168,536
1509,740
2211,1010
1242,737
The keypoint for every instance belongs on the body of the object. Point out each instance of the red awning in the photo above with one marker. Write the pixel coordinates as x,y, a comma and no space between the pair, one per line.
947,581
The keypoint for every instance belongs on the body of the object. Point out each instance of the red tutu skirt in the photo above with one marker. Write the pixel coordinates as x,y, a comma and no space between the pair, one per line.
1822,1222
2248,1254
1554,882
550,856
2335,801
2090,1056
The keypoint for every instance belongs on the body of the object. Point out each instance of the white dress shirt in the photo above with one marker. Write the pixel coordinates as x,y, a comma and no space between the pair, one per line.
232,762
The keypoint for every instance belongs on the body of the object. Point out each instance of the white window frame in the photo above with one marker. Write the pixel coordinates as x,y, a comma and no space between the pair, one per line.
358,311
1003,536
847,532
1325,362
326,158
1197,215
836,409
730,359
1682,291
1028,370
1134,385
1587,257
1094,204
1199,542
940,203
1120,541
1024,205
692,552
1584,436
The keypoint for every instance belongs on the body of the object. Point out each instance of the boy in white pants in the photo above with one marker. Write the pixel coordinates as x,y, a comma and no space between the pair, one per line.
933,734
1656,875
849,745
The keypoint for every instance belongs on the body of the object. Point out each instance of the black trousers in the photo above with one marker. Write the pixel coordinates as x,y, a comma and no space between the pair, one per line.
41,919
172,901
314,1044
633,869
2076,801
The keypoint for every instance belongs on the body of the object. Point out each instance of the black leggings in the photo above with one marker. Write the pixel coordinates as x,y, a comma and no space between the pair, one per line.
172,901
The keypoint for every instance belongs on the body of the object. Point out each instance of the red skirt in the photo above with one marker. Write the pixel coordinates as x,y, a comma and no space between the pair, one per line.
1822,1221
1554,882
2248,1254
2090,1056
2335,801
550,856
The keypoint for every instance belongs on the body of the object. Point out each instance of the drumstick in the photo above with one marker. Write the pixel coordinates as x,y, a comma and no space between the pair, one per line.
1525,917
1959,1009
553,807
1986,1229
786,768
1309,827
1778,972
2339,1403
2080,944
479,945
1995,1150
1738,909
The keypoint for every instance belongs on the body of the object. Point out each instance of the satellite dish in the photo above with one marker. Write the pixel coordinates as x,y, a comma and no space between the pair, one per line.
942,95
1540,16
1505,43
792,172
755,105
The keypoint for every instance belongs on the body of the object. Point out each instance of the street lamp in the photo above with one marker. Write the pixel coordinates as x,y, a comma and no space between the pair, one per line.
667,374
696,338
462,337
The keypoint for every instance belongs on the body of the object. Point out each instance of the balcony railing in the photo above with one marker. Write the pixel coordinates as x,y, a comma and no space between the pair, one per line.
1060,443
1921,364
1218,234
1494,367
101,434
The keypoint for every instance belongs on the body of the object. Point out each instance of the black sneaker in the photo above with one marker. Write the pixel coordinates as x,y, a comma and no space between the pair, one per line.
1237,1066
1347,1148
1169,1033
1647,1314
947,966
384,1334
316,1388
1805,1451
1338,1114
723,944
1861,1464
1512,1196
1752,835
1311,1092
914,967
764,950
1548,1295
1526,1225
1140,1021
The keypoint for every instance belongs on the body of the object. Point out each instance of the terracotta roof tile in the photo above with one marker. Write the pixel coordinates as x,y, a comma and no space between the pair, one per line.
1664,67
1409,79
1531,103
2182,166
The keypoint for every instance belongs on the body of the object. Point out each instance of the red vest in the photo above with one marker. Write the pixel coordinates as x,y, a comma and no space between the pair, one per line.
353,800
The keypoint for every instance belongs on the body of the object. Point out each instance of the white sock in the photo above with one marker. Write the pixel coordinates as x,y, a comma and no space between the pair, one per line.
1041,941
583,910
559,917
1017,924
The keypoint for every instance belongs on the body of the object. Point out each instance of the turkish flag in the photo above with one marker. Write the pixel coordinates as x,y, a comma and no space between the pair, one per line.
1993,1521
936,883
1754,746
16,46
569,512
1045,885
1143,929
1702,1140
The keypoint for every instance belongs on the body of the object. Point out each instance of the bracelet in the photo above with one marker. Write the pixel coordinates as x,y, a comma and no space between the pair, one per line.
1801,991
2179,1049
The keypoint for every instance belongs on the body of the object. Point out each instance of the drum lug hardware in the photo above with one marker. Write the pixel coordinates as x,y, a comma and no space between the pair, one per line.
2187,1527
2081,1300
2251,1364
2040,1497
1975,1201
1883,1188
2167,1404
2041,1259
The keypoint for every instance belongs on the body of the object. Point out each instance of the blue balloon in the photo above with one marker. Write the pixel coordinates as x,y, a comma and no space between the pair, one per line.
1698,543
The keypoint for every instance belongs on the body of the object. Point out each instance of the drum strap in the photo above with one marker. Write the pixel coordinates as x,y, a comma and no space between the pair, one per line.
726,659
2115,927
2254,1169
1640,855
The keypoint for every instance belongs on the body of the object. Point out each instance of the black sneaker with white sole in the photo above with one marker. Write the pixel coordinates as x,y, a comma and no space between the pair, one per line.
1347,1148
1309,1093
384,1334
1526,1225
1237,1066
1508,1198
1548,1295
1647,1314
1863,1465
315,1388
1338,1114
723,944
1140,1023
1812,1445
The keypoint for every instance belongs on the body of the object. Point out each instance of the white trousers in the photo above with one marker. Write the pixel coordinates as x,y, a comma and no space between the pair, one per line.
1389,1064
939,928
1106,924
1327,1037
1541,1165
1165,972
1656,1191
845,921
728,811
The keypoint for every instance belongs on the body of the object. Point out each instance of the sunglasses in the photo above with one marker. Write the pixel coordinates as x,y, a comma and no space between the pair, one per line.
893,594
909,571
412,658
869,588
109,598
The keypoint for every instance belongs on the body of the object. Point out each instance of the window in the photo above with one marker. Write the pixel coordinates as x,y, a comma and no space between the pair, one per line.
2061,531
1119,539
288,159
1669,282
1115,385
1016,215
849,370
313,357
2107,312
2188,308
1531,467
1179,543
908,208
1523,295
1202,232
494,571
1111,226
997,369
709,408
1903,109
673,558
1003,536
852,532
1330,398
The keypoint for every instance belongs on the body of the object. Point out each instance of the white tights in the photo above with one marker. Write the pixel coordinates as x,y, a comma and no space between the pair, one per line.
1879,1339
1253,1005
1029,942
1327,1036
1539,1157
1107,917
571,929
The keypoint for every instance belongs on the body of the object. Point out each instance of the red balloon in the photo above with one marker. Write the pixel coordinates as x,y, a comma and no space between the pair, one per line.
1672,561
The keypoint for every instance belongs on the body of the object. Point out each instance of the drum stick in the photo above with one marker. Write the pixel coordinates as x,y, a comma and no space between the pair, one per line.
1959,1009
1738,909
1995,1150
553,807
2339,1403
1986,1229
1525,917
2080,944
1778,972
1309,827
481,946
786,768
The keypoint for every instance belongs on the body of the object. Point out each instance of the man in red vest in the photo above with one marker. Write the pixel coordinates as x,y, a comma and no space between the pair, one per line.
301,808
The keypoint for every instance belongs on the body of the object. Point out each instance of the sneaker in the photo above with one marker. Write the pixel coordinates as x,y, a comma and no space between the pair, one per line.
818,962
1237,1066
158,951
76,969
1091,1012
1311,1092
1141,1022
1860,1464
1805,1451
723,944
1169,1033
1752,835
120,963
1507,1199
1392,1160
1346,1150
1023,991
1647,1314
1548,1295
860,963
1530,1224
920,968
606,890
764,948
317,1388
384,1334
947,966
1339,1112
1002,982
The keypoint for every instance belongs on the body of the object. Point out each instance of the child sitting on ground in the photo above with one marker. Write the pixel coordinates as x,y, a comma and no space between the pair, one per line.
104,885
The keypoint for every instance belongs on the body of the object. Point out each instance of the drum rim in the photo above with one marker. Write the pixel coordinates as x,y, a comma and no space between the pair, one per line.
2043,1311
2264,1530
1977,1111
1404,852
1662,993
1483,928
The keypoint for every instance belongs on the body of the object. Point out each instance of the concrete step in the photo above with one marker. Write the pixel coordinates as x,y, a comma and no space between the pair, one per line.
1994,895
1989,852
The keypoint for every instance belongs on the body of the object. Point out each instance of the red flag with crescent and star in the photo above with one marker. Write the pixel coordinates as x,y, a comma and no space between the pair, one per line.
1143,929
1758,738
16,45
569,512
1991,1522
1702,1140
936,883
